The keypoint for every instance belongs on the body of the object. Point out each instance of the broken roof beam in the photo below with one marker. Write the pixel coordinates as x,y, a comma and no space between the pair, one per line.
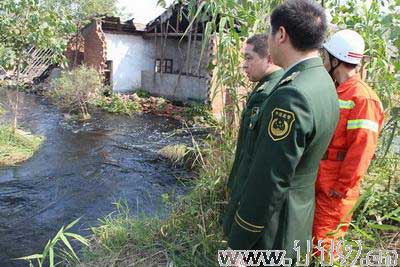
174,34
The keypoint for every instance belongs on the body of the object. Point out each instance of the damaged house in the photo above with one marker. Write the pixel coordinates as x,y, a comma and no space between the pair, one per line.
164,57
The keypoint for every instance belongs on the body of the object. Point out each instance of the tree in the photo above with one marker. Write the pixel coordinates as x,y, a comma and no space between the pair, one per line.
26,24
43,24
82,12
30,23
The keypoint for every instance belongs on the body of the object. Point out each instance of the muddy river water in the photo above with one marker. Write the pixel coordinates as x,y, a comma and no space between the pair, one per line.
79,171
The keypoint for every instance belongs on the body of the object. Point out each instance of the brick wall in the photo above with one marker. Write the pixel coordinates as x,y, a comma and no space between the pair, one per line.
95,46
70,52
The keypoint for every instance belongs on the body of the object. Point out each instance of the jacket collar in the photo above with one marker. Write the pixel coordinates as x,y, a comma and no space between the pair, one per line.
345,85
269,77
290,74
303,65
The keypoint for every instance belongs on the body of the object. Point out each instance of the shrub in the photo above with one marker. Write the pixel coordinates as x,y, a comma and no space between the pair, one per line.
200,114
117,103
75,89
142,93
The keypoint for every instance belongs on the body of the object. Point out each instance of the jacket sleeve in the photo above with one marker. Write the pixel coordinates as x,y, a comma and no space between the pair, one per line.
273,167
239,143
363,126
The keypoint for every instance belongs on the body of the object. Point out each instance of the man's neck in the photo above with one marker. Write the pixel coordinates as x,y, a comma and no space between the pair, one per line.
271,69
293,57
344,75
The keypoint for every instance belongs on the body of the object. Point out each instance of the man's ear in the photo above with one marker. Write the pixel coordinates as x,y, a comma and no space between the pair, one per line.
281,35
334,62
269,59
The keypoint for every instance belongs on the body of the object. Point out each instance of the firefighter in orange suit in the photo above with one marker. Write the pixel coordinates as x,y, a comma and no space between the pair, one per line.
353,145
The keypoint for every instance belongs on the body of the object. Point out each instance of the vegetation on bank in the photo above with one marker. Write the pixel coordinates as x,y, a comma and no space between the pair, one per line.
117,103
75,89
17,145
80,92
142,102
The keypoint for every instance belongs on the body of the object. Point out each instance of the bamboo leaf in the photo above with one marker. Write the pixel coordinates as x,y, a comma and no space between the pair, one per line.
362,232
79,238
31,257
194,18
384,227
66,242
47,247
51,256
69,226
397,219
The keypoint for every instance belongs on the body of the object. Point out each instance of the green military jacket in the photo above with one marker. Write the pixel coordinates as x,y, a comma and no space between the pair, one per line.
272,204
254,101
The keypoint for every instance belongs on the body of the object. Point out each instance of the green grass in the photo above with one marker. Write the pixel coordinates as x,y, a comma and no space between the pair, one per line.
18,146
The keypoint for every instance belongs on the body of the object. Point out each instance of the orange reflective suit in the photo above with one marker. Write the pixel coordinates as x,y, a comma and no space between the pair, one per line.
347,158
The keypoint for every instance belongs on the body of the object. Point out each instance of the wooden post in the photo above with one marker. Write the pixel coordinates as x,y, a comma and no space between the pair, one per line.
196,28
162,50
155,61
166,37
188,50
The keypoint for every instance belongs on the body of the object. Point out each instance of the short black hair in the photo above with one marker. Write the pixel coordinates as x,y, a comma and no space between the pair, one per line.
349,65
260,43
304,21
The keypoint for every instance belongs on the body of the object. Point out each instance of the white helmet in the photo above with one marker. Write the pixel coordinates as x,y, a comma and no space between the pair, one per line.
347,46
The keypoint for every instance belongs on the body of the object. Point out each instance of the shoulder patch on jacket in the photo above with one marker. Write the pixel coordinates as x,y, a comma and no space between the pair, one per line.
290,78
280,124
263,86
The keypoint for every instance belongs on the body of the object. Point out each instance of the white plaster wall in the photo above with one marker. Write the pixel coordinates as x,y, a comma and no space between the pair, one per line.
172,52
130,54
168,85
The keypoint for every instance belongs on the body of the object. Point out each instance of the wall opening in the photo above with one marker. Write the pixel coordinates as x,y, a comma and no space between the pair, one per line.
165,67
108,72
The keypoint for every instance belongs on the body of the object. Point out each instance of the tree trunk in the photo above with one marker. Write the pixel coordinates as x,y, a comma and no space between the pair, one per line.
76,45
15,102
18,69
15,108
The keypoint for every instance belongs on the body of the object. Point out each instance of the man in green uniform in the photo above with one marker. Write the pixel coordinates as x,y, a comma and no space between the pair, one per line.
272,204
259,68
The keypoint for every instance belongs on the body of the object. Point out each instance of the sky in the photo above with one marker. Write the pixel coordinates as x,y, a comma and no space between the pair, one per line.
146,10
142,10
